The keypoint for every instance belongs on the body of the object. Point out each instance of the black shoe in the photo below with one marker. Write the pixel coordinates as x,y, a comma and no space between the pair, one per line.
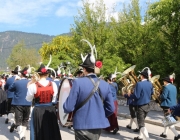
177,138
13,126
6,121
136,130
127,126
23,138
163,135
137,138
115,130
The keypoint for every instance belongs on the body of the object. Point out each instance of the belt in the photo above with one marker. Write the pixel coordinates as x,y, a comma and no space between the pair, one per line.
142,105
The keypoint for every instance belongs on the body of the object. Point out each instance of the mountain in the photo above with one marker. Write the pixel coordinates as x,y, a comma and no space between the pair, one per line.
9,39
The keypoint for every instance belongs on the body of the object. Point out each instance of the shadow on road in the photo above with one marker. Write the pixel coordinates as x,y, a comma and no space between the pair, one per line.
4,131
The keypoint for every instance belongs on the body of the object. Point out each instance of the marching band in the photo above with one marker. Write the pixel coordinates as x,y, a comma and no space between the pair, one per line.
43,99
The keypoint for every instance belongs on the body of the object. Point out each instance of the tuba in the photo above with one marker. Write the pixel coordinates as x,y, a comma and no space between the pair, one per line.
157,88
129,80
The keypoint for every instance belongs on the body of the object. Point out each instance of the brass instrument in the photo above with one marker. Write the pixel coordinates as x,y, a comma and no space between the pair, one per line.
129,80
157,88
35,76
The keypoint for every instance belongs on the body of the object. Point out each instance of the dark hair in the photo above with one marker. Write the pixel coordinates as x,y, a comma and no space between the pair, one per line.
89,70
43,74
24,75
109,77
14,72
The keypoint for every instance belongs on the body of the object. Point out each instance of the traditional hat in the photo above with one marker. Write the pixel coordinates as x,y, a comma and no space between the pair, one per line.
147,69
16,70
80,70
115,73
110,76
144,73
46,69
24,71
167,79
87,63
89,60
42,69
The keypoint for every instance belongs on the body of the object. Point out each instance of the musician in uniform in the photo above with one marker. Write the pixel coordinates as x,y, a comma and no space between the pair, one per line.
10,95
43,125
56,78
175,111
91,116
168,99
113,118
21,105
132,110
142,96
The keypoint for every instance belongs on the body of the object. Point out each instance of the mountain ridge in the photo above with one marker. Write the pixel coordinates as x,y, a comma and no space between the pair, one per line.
8,39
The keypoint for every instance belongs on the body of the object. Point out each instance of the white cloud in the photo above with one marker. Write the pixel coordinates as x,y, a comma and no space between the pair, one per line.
70,8
112,6
23,12
64,11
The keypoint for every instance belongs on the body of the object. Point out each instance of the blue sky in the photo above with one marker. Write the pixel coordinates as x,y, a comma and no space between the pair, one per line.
52,17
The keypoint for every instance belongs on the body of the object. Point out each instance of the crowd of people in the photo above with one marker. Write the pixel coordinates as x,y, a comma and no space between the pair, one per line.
33,96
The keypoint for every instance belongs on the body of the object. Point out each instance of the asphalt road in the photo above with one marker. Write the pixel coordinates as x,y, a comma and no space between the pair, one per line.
68,134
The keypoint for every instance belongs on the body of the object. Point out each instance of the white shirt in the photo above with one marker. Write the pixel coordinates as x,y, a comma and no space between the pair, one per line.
33,90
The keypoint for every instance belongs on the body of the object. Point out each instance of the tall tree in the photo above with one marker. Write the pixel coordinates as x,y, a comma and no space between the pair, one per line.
165,18
130,32
62,50
91,24
23,56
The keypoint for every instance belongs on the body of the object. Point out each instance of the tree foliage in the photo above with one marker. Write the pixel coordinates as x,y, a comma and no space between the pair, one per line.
132,35
165,23
91,24
62,50
150,41
23,56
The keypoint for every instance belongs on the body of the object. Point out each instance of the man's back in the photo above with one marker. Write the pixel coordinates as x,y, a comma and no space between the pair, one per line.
93,114
9,82
169,95
142,93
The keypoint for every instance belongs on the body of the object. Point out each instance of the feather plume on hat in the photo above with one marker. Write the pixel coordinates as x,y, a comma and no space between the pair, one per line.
147,69
115,73
90,59
172,77
93,50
